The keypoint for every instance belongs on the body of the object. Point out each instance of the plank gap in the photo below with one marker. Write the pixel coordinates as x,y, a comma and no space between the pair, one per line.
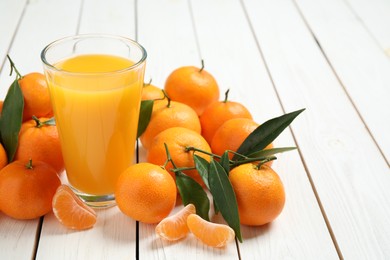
361,21
331,233
79,17
14,34
37,237
341,82
190,9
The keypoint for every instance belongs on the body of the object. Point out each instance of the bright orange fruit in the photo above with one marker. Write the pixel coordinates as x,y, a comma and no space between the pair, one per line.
71,211
167,114
218,113
212,234
259,192
175,227
36,96
145,192
40,142
178,139
192,86
231,134
151,92
27,189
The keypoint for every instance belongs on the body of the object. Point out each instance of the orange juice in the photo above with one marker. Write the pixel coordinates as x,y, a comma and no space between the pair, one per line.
96,100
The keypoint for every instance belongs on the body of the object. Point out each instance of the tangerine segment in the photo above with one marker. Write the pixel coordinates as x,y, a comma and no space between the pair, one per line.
212,234
71,211
175,227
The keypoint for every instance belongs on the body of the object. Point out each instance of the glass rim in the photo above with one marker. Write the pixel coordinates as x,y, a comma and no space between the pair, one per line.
96,35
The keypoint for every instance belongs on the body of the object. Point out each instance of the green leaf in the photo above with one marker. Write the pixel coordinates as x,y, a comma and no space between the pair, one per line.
145,114
224,196
265,134
11,119
191,192
202,166
269,152
225,161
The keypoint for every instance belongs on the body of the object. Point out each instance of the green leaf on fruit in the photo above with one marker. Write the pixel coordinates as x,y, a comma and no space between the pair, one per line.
144,116
202,166
11,119
191,192
224,196
265,134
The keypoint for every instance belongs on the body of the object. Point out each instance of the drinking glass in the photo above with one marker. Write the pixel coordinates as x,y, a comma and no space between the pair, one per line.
95,84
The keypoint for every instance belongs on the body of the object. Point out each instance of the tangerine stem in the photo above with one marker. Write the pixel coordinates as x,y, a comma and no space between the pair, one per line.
183,169
147,84
192,148
226,96
168,98
201,68
13,67
29,165
38,122
169,158
268,159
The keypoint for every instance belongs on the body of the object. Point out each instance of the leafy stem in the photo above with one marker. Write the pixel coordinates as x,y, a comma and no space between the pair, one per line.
13,68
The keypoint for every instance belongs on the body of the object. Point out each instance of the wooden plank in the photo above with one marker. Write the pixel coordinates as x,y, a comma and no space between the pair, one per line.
230,52
42,23
165,30
17,240
17,237
374,14
117,17
349,174
114,235
360,63
10,14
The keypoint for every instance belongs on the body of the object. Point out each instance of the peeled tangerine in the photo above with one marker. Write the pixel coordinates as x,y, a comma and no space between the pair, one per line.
174,227
212,234
71,211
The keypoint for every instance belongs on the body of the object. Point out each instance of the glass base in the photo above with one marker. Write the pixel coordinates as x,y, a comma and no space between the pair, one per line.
96,201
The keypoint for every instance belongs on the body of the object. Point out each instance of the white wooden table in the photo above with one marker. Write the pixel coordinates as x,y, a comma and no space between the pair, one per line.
331,57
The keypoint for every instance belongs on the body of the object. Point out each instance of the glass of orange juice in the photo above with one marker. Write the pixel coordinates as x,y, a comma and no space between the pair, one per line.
95,84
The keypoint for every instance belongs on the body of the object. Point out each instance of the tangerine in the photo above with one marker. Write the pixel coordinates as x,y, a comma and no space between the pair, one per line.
231,134
218,113
212,234
145,192
192,86
178,139
36,96
167,114
259,192
175,227
39,141
151,92
71,211
27,189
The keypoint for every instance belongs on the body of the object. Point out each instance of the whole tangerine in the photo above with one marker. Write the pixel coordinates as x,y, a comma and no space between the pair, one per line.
36,96
259,192
39,141
218,113
231,134
145,192
192,86
167,114
27,189
151,92
178,139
